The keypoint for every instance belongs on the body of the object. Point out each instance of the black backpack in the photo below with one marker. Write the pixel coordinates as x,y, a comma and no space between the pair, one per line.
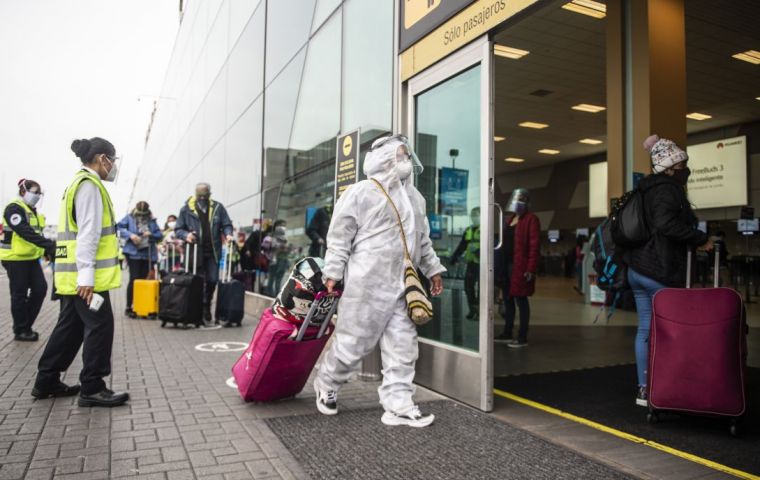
628,224
608,259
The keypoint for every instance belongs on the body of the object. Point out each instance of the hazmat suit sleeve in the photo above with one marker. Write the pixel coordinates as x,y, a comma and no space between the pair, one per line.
430,264
340,236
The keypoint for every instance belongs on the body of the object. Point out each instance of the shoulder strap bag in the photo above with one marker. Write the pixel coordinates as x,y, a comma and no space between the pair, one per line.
418,304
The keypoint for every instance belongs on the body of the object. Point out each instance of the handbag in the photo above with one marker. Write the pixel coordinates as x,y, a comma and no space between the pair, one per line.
418,304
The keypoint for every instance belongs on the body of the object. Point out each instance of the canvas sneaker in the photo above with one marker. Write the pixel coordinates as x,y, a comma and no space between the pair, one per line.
412,418
327,401
641,396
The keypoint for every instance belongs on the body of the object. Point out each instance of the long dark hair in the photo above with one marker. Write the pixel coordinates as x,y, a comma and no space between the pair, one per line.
87,149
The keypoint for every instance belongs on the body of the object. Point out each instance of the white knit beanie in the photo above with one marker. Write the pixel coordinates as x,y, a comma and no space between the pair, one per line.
665,153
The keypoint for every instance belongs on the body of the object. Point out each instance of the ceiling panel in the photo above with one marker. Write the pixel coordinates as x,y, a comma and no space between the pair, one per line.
567,57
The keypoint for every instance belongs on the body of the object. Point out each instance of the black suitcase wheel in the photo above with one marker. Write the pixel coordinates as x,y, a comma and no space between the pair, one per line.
652,416
735,428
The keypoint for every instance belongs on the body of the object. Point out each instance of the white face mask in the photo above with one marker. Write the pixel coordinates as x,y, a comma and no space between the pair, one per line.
172,225
112,174
31,198
404,169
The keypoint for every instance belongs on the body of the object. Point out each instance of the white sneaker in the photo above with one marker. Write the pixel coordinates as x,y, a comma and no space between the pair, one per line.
327,401
413,418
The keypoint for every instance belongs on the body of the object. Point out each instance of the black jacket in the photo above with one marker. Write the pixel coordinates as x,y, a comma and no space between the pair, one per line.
673,226
24,229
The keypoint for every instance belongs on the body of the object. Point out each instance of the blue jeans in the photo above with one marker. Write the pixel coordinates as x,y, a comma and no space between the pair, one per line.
644,289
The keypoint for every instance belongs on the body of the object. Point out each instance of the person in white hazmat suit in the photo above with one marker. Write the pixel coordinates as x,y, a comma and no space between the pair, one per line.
364,250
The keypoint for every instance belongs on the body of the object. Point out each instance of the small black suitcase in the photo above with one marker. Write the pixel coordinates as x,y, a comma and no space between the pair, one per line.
230,297
181,297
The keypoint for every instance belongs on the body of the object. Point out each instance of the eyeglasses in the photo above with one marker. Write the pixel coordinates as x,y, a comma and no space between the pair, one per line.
113,159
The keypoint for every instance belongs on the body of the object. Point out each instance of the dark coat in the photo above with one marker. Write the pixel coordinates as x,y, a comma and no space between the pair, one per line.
525,258
673,226
189,222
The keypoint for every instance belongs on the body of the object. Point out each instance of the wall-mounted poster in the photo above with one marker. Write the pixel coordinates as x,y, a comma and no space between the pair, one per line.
452,185
718,173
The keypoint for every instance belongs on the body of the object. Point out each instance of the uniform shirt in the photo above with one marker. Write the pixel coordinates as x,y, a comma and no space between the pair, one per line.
88,210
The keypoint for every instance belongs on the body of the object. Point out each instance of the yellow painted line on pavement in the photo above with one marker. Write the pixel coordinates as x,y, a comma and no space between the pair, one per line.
627,436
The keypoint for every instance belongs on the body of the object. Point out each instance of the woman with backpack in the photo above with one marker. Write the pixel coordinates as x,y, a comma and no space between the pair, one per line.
661,261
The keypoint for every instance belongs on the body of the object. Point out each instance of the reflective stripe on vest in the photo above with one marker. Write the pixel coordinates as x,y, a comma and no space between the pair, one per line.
19,249
107,269
472,237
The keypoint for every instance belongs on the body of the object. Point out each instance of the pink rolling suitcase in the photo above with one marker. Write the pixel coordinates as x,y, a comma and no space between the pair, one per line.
698,352
281,355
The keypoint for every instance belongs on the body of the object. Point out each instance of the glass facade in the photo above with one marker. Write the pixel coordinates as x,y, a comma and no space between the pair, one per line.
255,94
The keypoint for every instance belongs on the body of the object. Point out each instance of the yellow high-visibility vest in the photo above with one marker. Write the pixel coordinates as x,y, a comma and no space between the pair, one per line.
19,249
107,271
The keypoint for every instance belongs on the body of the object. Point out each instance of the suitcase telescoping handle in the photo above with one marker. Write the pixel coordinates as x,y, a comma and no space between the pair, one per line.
313,310
716,266
227,274
195,258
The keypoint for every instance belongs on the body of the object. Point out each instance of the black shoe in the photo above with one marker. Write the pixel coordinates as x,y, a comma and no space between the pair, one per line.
503,338
130,313
207,314
60,390
30,336
104,398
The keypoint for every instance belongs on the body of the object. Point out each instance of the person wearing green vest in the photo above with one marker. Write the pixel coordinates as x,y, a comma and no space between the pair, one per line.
20,251
469,245
86,269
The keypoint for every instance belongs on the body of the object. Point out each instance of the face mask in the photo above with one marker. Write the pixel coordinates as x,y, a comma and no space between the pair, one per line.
31,198
280,231
682,176
112,174
518,207
404,169
171,225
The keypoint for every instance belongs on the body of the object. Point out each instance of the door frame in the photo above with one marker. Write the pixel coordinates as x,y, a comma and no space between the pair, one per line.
442,367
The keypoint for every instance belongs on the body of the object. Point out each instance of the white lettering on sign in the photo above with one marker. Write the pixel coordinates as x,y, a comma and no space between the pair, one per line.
222,347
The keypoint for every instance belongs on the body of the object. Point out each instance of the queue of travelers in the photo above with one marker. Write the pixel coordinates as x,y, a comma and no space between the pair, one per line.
86,265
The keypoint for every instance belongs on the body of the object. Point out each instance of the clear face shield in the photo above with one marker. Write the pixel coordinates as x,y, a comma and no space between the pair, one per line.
404,152
518,203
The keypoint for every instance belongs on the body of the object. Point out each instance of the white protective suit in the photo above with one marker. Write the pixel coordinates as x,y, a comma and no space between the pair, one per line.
364,249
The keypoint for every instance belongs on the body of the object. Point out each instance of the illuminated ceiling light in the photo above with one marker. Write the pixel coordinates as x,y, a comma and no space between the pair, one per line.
587,7
590,141
757,98
751,56
535,125
514,160
509,52
548,151
698,116
499,139
585,107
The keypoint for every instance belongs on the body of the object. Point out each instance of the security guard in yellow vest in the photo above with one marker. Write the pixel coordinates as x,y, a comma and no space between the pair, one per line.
470,247
86,269
20,251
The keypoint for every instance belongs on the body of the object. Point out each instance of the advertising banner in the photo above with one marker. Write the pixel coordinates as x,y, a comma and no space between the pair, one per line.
718,173
453,191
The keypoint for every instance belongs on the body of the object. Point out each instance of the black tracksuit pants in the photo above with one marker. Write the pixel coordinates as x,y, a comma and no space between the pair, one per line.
78,325
28,288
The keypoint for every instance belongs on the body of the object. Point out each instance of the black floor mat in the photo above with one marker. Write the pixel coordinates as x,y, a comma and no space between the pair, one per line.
606,395
462,443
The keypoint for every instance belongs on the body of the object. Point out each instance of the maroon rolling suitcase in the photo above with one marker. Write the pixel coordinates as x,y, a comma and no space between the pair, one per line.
698,352
282,355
